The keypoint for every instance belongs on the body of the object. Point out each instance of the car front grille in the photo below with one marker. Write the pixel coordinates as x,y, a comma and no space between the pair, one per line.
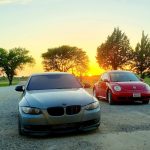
71,110
56,111
59,111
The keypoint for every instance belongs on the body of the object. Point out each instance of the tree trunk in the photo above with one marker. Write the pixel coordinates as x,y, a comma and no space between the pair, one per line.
10,82
142,75
10,78
114,67
80,77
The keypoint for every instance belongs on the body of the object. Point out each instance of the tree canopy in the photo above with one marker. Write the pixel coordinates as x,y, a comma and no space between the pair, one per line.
65,58
12,60
141,60
115,52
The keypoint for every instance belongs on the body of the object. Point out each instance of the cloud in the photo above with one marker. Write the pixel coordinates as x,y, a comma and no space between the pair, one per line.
15,1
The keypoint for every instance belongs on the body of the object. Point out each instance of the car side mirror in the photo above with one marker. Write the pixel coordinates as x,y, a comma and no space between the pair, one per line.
105,80
19,88
87,85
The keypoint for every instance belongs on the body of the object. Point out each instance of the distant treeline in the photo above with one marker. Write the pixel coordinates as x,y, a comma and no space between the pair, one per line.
115,53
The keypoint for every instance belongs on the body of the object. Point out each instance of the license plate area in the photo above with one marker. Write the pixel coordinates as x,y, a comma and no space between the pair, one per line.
136,94
65,126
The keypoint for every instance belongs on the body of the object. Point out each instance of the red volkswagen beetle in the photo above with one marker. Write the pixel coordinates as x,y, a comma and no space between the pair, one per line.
116,86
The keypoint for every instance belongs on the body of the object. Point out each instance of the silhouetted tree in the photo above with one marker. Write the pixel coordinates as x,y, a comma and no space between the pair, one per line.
65,58
142,56
12,60
115,52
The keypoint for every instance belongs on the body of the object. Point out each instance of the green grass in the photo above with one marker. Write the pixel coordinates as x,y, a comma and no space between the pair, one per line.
7,83
147,80
16,80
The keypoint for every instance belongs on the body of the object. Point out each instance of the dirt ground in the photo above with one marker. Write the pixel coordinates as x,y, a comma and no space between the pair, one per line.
123,127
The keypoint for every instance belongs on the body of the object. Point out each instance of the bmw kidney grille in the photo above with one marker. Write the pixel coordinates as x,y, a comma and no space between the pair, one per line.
59,111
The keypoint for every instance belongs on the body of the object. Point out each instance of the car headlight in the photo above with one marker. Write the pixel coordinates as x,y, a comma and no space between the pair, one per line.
30,110
92,106
147,87
117,88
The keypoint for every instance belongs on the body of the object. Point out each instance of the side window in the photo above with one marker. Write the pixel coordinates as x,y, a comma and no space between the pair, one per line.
105,76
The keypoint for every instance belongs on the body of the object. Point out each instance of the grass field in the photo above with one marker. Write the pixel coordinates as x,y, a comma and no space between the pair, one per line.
4,81
147,80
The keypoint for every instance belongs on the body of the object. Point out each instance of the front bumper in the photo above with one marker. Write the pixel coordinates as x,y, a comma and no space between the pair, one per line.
63,128
44,124
128,96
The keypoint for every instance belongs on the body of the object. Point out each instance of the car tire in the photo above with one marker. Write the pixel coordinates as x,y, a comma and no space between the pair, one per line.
109,97
145,102
19,127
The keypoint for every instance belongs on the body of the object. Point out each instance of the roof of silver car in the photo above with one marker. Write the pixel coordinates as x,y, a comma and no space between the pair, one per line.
49,73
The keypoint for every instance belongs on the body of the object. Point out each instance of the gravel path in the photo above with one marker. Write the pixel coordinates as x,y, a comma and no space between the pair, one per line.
123,127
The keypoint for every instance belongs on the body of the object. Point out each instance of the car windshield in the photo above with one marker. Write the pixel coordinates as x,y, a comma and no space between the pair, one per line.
123,77
53,81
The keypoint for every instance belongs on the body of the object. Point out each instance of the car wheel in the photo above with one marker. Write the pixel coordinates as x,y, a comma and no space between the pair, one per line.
145,102
109,97
19,127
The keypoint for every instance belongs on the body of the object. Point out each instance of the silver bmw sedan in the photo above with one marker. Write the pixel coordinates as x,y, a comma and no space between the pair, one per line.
56,102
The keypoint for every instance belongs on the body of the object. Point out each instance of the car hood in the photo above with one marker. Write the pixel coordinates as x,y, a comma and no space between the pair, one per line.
58,97
132,85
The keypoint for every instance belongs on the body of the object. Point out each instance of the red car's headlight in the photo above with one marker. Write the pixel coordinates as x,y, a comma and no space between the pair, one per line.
147,87
117,88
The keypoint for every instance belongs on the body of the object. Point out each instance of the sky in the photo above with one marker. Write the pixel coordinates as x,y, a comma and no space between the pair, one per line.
41,24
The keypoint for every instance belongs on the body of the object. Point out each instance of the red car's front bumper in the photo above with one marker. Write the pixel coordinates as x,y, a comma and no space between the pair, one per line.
131,96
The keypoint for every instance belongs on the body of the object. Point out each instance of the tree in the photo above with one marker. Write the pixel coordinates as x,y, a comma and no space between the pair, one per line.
115,52
65,58
142,56
12,60
2,58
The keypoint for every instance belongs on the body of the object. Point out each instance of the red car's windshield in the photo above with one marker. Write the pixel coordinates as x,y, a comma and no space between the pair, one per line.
122,77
